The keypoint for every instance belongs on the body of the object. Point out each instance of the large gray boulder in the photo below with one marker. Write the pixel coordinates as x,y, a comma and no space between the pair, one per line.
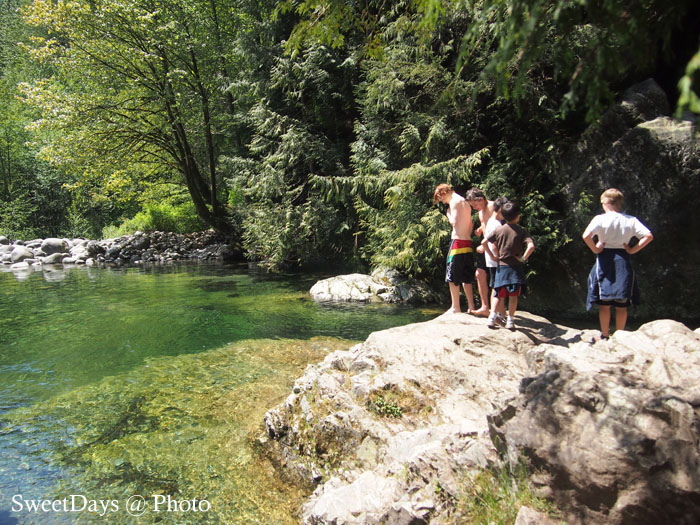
53,245
353,287
614,427
610,429
54,258
384,423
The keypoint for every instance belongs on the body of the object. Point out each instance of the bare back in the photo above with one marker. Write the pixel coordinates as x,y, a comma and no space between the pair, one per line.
460,217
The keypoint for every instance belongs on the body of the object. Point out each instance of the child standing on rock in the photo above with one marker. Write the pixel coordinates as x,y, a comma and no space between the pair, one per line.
514,246
494,222
612,281
460,261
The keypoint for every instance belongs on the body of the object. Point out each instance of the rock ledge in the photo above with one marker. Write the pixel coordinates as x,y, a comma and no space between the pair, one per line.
387,430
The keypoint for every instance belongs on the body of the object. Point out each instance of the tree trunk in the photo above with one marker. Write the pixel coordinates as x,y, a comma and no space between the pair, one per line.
185,159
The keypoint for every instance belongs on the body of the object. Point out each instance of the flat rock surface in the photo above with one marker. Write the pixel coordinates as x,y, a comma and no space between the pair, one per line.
387,430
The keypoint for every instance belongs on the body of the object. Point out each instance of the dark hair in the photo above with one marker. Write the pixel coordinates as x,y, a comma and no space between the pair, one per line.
499,202
475,194
510,211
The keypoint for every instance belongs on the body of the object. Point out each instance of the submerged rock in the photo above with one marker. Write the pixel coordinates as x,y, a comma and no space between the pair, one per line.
611,430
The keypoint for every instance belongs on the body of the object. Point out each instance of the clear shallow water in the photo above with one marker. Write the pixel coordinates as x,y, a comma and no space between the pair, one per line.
106,374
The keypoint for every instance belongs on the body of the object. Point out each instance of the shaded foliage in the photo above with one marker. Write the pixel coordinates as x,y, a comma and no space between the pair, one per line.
316,130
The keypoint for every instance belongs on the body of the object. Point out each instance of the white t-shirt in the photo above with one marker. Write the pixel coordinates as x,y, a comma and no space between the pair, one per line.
491,226
615,229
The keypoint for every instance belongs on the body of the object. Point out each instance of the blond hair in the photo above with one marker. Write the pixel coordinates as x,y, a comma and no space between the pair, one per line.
613,197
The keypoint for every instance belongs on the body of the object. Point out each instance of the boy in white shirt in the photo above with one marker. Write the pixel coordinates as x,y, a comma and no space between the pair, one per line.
612,281
494,222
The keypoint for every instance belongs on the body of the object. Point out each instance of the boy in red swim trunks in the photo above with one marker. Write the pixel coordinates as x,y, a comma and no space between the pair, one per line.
514,246
460,258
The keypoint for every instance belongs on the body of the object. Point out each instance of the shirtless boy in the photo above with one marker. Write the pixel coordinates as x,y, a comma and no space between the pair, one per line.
460,258
477,200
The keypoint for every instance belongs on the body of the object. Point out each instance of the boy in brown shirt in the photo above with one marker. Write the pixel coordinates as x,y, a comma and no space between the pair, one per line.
514,245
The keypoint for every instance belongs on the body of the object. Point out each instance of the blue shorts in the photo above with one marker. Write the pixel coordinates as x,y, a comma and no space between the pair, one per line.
510,278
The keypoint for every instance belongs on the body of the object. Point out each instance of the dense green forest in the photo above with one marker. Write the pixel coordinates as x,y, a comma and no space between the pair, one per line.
313,130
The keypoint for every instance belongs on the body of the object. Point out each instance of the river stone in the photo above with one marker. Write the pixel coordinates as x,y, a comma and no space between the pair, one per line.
353,287
383,285
52,245
33,244
613,427
79,252
4,240
55,258
94,248
113,251
20,253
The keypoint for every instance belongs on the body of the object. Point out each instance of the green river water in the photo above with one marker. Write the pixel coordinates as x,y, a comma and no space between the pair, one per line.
122,384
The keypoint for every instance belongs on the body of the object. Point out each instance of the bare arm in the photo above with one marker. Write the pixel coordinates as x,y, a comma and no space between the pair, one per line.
588,239
642,243
528,251
487,249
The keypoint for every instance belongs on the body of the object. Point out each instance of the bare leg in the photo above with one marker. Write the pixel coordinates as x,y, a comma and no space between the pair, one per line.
502,308
496,304
454,295
604,317
512,305
469,291
483,286
499,303
620,318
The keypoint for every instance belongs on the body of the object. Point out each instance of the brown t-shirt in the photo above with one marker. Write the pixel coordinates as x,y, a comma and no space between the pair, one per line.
510,240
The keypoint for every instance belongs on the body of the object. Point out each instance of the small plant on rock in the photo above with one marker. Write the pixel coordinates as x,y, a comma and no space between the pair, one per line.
384,408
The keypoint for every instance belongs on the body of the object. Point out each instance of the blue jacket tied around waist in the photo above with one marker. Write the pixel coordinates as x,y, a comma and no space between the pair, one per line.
611,278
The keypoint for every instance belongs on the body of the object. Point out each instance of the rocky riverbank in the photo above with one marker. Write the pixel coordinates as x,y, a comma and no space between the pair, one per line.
150,247
391,430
